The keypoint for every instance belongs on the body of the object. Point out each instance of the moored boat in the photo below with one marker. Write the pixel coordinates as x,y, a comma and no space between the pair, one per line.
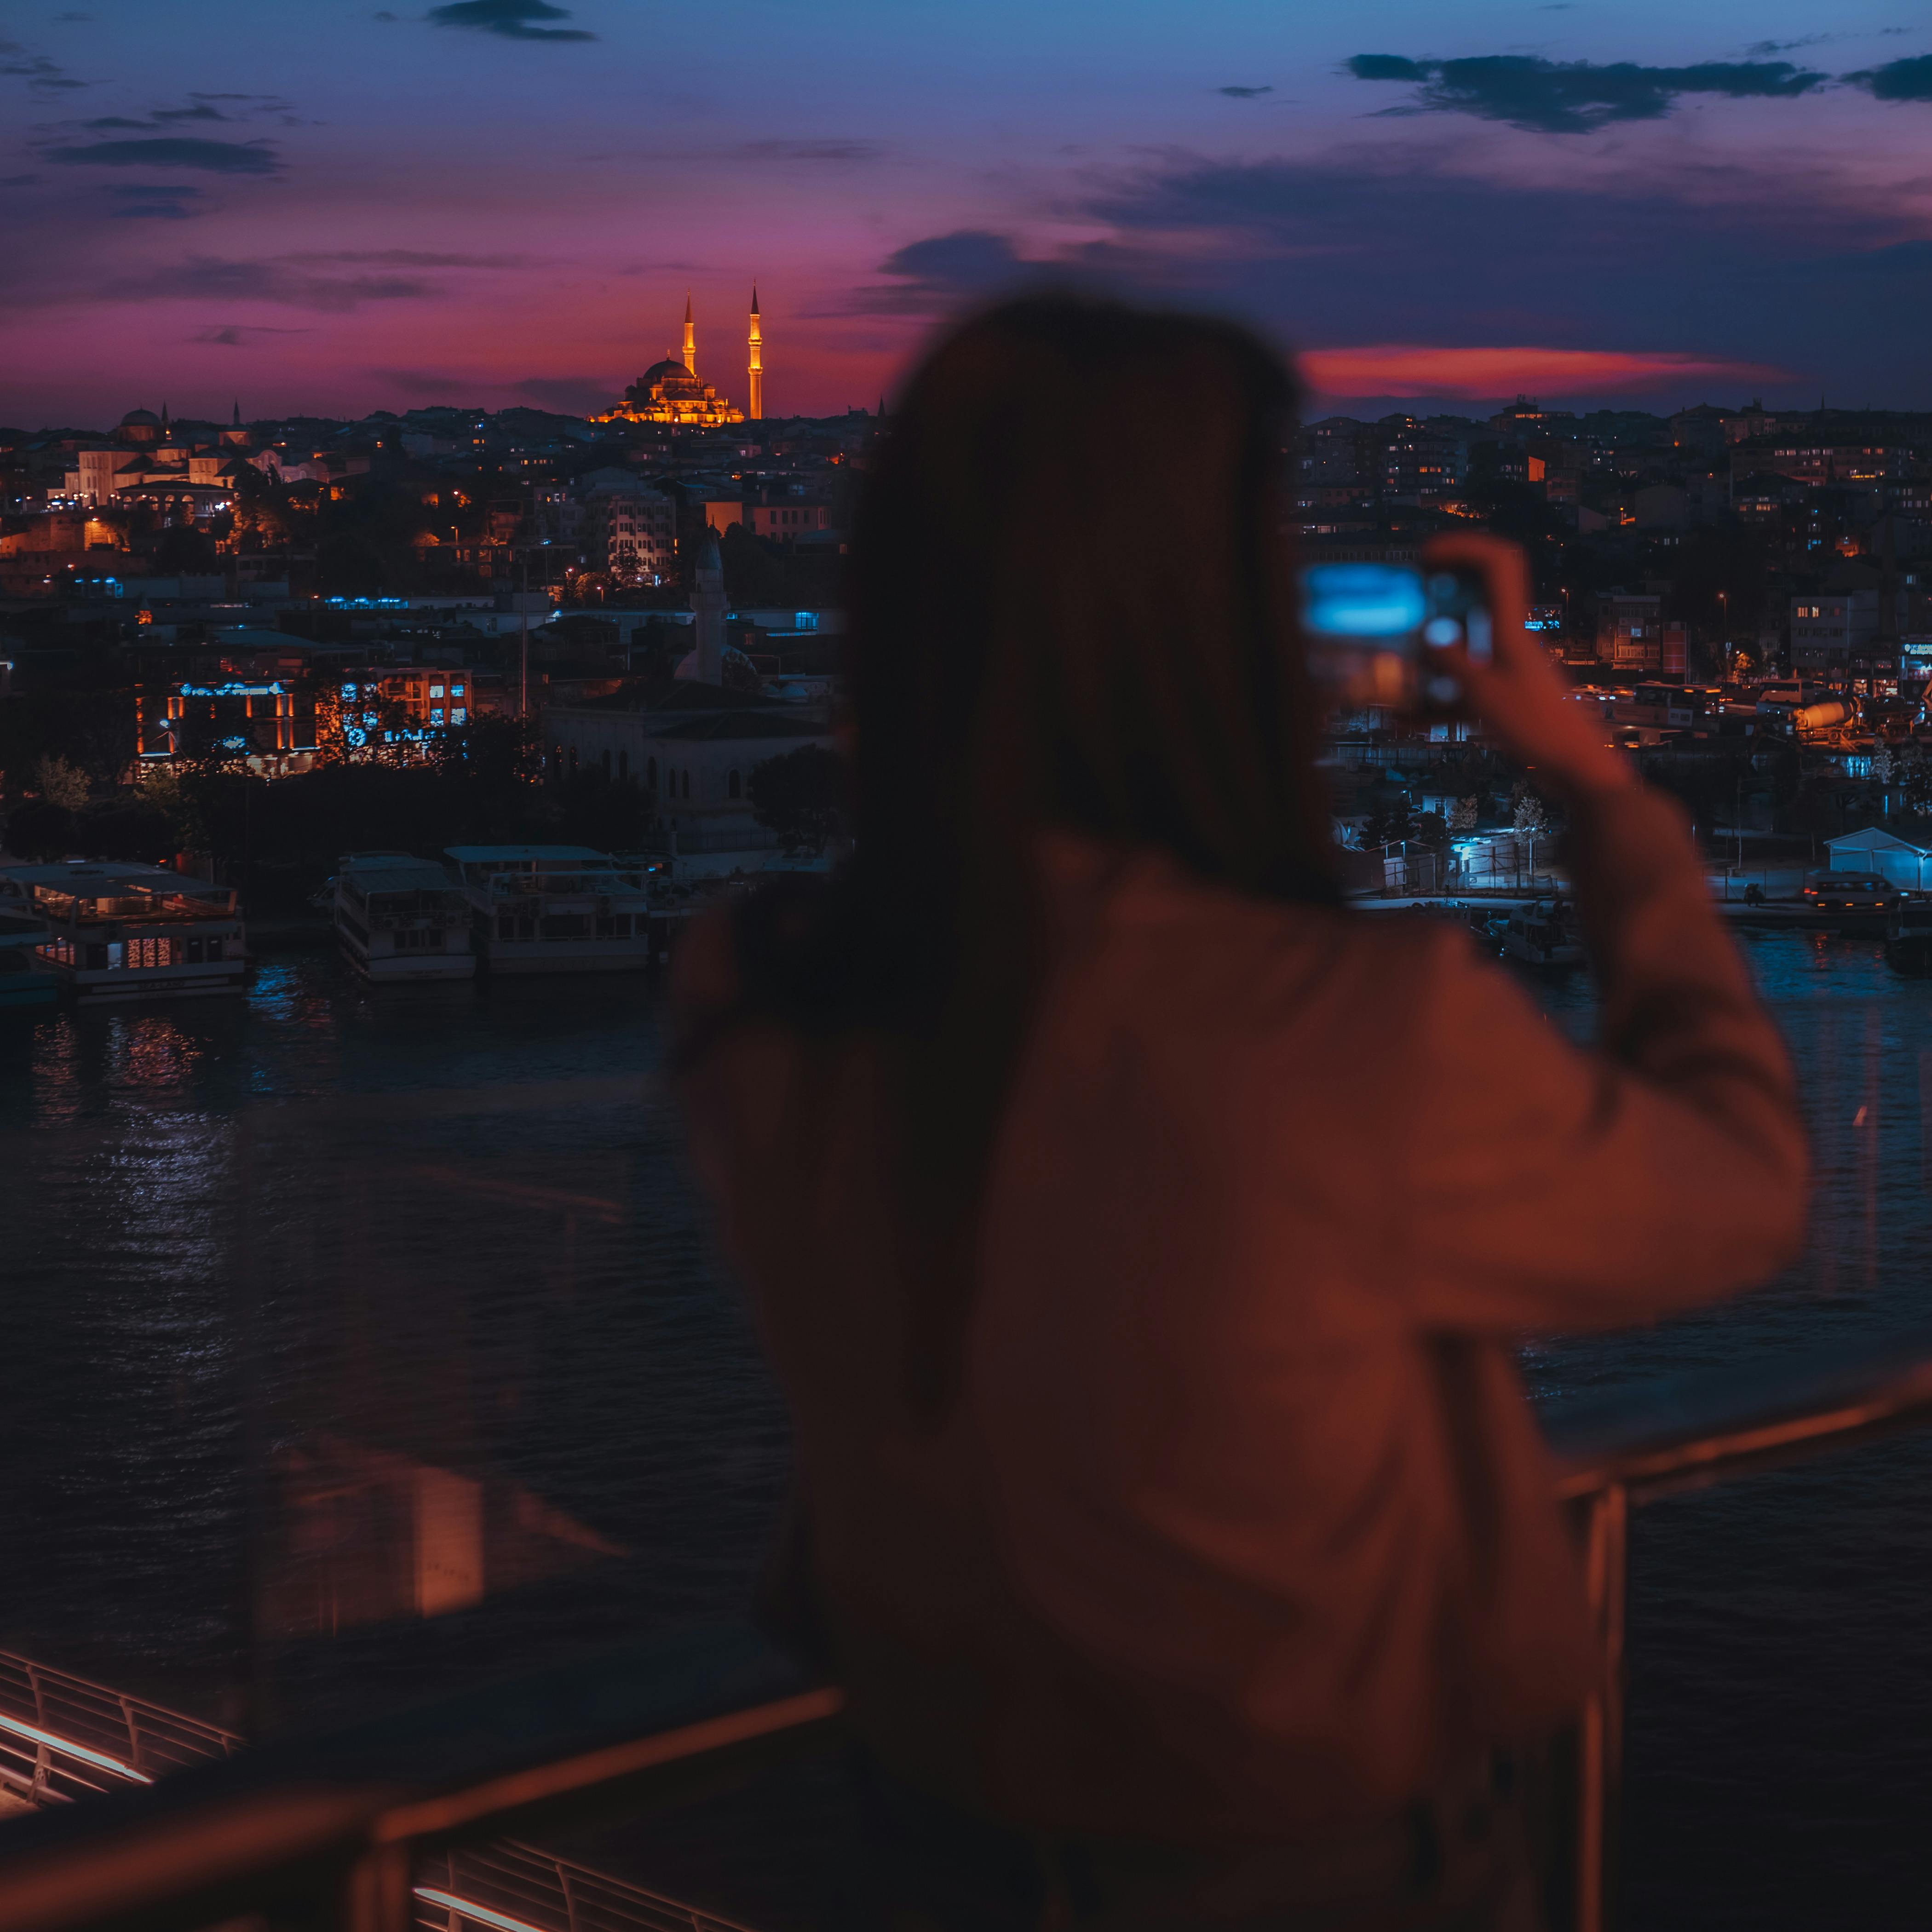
398,917
118,931
1541,935
555,909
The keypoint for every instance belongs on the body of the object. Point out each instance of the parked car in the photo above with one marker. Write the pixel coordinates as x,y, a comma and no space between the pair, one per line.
1852,892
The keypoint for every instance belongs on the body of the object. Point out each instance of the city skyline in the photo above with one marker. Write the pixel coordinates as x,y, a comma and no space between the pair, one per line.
503,202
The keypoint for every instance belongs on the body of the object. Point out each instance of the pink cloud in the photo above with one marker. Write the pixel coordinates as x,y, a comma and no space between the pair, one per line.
1402,368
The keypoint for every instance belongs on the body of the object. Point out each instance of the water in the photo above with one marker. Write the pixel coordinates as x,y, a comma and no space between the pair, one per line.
266,1310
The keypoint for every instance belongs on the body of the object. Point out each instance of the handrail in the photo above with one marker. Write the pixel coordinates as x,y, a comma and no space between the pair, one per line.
62,1736
293,1822
1687,1433
1695,1428
345,1817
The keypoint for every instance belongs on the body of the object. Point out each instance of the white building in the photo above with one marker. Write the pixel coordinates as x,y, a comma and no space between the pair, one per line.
630,530
694,756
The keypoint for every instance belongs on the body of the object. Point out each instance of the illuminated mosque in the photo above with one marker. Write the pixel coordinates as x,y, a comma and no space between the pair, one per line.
669,391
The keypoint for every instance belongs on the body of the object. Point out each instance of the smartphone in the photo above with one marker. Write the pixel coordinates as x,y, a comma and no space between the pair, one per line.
1370,630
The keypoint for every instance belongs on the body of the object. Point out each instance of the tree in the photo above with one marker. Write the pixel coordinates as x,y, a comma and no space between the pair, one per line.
1530,812
1390,821
61,783
802,796
1430,829
1463,815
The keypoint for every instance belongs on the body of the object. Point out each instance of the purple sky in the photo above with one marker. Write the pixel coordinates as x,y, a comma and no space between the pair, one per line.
338,208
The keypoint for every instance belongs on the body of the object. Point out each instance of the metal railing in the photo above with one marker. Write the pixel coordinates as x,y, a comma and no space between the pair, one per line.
509,1885
63,1737
1687,1434
337,1831
376,1829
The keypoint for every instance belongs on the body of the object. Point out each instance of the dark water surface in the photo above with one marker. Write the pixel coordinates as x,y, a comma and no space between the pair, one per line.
297,1286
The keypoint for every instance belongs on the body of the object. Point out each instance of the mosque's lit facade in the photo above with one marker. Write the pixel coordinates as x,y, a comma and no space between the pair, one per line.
671,391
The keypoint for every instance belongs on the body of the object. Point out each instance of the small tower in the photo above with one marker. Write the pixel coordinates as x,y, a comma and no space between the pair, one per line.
707,603
756,342
690,337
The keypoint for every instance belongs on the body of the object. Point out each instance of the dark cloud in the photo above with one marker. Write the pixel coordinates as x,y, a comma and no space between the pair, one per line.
808,151
968,261
937,273
573,395
200,111
240,335
385,14
1243,93
171,203
41,75
284,281
1574,97
1759,49
511,19
18,180
215,157
118,121
1383,245
1898,80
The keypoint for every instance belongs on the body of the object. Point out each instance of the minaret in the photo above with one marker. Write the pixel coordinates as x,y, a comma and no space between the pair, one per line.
756,341
707,602
690,337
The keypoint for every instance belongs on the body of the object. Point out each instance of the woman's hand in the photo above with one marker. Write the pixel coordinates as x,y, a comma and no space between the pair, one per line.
1518,695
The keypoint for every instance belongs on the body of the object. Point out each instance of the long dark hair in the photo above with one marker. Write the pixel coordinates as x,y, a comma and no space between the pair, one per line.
1071,606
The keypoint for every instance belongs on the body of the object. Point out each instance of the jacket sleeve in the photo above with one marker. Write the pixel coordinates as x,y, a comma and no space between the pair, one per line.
1557,1187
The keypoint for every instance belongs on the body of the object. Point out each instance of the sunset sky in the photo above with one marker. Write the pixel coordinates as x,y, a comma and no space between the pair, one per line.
335,208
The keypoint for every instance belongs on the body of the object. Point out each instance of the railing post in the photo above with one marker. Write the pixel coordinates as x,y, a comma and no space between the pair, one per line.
375,1894
1600,1747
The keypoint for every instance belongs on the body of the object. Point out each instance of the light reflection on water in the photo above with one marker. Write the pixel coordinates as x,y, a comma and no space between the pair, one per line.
507,1327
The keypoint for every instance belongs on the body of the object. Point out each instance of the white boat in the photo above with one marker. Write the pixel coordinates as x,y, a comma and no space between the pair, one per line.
1541,935
131,932
555,909
400,918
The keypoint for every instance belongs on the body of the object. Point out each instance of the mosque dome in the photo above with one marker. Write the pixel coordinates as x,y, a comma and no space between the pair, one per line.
140,419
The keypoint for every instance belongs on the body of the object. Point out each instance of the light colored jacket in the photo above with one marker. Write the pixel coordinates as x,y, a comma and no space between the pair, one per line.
1241,1526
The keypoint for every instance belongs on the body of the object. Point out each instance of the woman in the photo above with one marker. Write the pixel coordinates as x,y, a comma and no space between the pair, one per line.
1139,1234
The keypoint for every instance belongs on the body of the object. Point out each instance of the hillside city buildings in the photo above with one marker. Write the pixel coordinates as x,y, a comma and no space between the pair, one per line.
656,591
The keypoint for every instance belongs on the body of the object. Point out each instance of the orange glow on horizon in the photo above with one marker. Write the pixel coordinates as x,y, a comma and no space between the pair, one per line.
1402,368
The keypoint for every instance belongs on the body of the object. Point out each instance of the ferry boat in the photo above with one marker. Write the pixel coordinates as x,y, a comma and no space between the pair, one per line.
555,909
1908,938
118,931
399,917
1540,935
24,981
